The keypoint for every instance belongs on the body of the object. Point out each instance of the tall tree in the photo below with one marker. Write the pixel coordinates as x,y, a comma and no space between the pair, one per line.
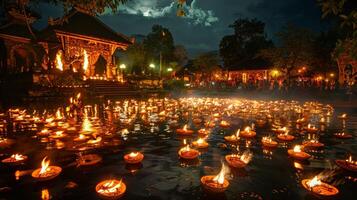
240,49
136,58
345,10
160,41
296,49
180,55
206,63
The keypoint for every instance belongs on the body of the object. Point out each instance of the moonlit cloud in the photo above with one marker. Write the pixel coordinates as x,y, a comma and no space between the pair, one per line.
153,9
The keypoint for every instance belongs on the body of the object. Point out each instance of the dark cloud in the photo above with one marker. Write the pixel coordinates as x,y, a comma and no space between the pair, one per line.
206,21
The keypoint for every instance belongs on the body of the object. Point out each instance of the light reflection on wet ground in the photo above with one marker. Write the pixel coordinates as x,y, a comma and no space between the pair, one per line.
270,175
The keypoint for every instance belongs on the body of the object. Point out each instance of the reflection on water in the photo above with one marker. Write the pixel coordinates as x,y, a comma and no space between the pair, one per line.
89,145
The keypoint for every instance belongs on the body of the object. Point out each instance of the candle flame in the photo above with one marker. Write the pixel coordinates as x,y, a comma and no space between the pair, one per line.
220,177
18,157
58,114
247,129
246,157
132,154
44,165
185,127
200,141
59,64
237,133
85,61
59,133
314,182
297,148
110,187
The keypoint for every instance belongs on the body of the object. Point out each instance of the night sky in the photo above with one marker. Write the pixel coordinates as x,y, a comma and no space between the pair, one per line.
206,21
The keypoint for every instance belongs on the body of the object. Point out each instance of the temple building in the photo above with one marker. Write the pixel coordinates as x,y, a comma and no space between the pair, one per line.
18,52
78,41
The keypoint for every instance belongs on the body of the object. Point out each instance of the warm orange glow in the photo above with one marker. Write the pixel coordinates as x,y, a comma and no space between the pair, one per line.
314,182
297,148
44,165
133,155
85,61
45,195
59,64
18,157
110,187
220,177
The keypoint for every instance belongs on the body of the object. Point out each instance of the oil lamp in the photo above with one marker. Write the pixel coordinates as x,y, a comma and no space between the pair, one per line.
301,121
197,121
200,143
15,159
44,132
286,137
343,116
133,157
311,129
203,132
80,138
260,122
313,143
184,131
224,124
210,124
298,154
58,135
268,142
46,172
218,183
95,141
86,126
348,164
248,133
5,142
233,138
88,160
188,153
343,135
239,161
318,187
322,121
110,189
280,130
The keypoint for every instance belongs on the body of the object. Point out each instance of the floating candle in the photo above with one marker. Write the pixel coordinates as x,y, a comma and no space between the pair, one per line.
110,189
133,157
46,172
218,183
